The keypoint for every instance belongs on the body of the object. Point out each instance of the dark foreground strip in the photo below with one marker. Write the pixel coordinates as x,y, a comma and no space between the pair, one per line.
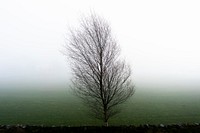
195,128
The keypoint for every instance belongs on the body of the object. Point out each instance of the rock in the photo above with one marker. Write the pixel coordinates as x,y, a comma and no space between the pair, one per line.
8,126
161,125
146,125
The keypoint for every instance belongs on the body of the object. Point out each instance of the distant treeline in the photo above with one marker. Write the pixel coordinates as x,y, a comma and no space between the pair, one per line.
175,128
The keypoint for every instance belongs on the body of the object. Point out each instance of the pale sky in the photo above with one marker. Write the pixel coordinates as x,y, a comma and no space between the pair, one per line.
159,39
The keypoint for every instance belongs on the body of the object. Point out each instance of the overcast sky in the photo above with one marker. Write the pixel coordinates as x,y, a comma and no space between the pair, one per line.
159,39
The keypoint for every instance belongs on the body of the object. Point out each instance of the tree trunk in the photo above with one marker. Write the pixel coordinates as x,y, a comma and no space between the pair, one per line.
105,117
106,123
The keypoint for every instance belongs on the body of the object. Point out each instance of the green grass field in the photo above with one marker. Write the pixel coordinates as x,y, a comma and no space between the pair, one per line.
51,107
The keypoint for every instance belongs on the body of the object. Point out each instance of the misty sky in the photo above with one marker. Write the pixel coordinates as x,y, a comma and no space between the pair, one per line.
159,39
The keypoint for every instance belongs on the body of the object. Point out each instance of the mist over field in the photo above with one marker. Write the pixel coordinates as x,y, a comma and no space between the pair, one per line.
160,40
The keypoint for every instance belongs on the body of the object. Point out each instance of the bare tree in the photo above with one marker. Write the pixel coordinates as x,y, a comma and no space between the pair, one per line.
101,79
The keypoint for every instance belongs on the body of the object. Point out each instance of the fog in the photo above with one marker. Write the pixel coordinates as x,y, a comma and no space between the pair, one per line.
159,39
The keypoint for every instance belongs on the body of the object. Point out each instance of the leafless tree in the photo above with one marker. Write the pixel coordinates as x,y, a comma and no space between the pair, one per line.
101,79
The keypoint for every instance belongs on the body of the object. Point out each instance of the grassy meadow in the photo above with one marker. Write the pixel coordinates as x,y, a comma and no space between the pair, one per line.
61,107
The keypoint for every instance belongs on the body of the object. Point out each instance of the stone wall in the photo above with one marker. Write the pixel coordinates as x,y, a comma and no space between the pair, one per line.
176,128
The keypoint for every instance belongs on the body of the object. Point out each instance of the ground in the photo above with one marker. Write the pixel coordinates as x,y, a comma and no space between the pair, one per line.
60,107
